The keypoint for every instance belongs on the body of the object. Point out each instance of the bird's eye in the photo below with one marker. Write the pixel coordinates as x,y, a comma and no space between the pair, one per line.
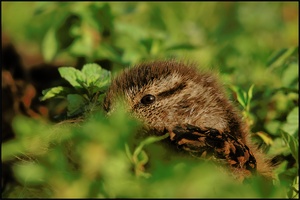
148,99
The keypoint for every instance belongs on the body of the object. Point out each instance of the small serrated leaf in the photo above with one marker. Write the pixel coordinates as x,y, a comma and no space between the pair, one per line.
92,71
98,79
95,74
75,77
58,92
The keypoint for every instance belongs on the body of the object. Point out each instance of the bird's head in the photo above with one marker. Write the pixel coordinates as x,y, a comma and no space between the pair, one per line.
191,105
164,94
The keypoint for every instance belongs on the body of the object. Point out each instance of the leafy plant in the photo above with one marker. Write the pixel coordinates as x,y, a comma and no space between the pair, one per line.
88,159
89,86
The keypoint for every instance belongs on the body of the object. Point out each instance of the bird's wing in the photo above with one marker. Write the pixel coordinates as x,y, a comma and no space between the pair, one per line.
211,143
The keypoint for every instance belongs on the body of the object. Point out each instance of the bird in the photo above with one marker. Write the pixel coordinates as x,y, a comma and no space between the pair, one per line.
177,97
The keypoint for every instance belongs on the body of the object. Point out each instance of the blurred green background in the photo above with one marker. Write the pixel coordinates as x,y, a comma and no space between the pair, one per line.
246,43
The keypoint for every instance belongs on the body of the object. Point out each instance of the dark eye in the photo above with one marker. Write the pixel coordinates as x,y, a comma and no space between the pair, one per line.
148,99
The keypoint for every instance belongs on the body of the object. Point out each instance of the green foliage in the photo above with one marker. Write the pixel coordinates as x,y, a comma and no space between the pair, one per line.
88,159
139,158
89,86
253,45
244,100
292,122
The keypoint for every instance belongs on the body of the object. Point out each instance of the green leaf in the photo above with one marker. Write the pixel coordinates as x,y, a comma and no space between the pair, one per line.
276,56
58,92
78,47
147,43
24,126
96,76
30,137
250,94
292,124
84,44
249,97
50,45
75,77
293,115
281,56
241,95
290,75
279,147
109,52
10,149
103,83
242,98
30,173
76,104
295,188
101,97
272,127
292,143
128,152
155,47
265,137
92,72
